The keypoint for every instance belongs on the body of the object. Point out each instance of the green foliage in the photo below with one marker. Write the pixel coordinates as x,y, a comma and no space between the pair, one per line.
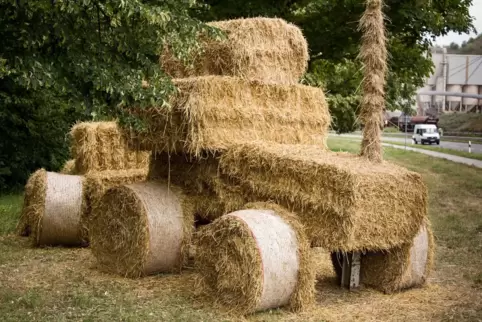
59,58
340,82
33,129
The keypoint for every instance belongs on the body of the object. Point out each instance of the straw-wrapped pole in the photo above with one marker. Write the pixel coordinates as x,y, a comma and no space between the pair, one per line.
373,54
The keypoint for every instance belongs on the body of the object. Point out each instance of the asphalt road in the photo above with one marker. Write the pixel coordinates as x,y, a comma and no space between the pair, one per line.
476,148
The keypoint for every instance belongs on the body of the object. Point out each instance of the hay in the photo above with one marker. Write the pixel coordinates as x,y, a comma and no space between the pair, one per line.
69,167
256,259
149,228
33,197
197,178
373,54
100,146
54,209
402,267
346,202
262,49
96,184
212,113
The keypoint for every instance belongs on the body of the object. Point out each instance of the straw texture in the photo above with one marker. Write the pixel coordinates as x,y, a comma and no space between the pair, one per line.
210,114
256,259
373,54
54,209
197,178
33,202
96,184
69,167
149,225
262,49
402,267
100,146
346,203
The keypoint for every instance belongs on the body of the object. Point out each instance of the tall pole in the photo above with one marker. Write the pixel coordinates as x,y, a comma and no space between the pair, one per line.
373,54
444,77
405,131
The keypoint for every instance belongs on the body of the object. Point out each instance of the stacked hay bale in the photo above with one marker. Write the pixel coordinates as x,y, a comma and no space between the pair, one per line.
100,146
262,49
57,207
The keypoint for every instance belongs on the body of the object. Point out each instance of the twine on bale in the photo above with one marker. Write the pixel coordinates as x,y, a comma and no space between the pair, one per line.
256,259
373,54
149,225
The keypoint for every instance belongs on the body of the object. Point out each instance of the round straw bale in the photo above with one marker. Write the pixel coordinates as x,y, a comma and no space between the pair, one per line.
256,259
54,209
402,267
149,225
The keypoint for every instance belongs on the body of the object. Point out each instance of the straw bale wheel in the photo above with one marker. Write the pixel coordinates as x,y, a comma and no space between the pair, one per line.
149,227
398,268
53,208
256,259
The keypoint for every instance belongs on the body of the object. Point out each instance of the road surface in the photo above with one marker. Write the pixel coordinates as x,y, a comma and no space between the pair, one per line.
476,148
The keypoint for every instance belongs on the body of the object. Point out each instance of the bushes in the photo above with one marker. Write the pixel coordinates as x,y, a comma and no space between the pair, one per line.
33,127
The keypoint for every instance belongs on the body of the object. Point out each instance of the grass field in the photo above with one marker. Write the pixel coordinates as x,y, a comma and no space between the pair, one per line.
64,284
476,156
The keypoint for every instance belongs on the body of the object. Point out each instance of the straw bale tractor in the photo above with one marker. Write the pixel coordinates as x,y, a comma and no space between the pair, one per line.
240,172
243,148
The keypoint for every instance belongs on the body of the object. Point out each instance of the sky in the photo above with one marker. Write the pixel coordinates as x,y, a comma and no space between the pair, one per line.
476,12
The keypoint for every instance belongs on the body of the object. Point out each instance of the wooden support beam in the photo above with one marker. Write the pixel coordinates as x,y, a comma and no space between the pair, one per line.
350,274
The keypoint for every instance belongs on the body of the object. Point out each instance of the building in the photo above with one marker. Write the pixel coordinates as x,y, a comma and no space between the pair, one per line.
455,74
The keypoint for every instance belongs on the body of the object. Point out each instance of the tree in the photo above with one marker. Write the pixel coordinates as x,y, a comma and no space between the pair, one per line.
63,58
454,46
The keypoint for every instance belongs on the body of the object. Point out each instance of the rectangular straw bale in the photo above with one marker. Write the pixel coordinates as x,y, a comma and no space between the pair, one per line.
213,113
346,202
100,146
263,49
97,183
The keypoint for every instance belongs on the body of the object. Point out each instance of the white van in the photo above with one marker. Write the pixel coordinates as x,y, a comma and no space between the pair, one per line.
426,133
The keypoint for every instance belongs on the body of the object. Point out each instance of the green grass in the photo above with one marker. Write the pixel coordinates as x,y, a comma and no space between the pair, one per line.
64,284
391,130
476,156
475,139
10,207
338,143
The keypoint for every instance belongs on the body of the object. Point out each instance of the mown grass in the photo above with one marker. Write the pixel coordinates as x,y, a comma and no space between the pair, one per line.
447,138
10,207
64,284
476,156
